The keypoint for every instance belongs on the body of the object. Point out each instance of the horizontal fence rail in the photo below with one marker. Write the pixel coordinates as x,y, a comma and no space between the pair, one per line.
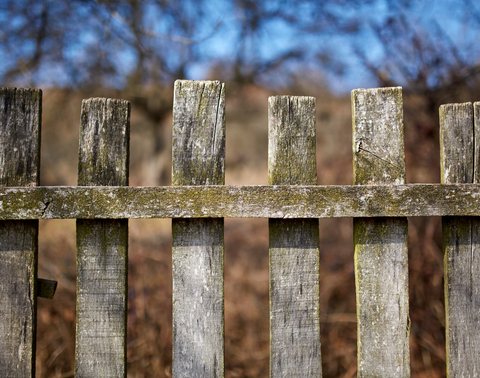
231,201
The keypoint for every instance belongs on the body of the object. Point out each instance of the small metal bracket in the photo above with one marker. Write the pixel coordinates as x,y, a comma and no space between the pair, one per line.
46,288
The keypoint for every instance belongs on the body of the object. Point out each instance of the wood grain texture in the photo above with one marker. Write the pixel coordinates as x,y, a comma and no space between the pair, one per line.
381,255
291,141
198,146
214,201
198,299
461,243
102,245
456,143
103,153
293,244
20,115
20,122
476,143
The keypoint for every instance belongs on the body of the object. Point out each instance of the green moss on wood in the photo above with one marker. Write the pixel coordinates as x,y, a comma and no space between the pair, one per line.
240,201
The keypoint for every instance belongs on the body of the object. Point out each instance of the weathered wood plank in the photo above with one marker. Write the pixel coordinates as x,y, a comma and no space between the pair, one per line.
102,245
198,301
459,154
456,143
20,122
21,113
381,255
293,244
417,200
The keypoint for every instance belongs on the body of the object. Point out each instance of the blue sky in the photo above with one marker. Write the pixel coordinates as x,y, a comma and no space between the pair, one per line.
218,31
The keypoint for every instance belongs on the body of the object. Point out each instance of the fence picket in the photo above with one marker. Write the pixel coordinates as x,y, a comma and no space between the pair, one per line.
459,155
102,245
293,243
381,255
198,302
20,122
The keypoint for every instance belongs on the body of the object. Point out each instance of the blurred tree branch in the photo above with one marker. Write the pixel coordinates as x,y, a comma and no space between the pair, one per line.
130,43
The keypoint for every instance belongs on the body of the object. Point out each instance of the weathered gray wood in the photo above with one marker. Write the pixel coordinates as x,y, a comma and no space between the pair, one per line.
381,255
198,301
20,122
417,200
476,143
456,143
102,245
291,141
293,244
20,116
461,244
198,133
46,288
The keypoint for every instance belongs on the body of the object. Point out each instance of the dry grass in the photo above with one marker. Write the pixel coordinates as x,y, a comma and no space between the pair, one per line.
246,251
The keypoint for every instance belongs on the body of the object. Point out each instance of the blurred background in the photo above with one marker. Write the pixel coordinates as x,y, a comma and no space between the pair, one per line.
135,49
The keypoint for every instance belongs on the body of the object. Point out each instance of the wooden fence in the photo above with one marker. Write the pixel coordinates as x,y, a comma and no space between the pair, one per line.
198,201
